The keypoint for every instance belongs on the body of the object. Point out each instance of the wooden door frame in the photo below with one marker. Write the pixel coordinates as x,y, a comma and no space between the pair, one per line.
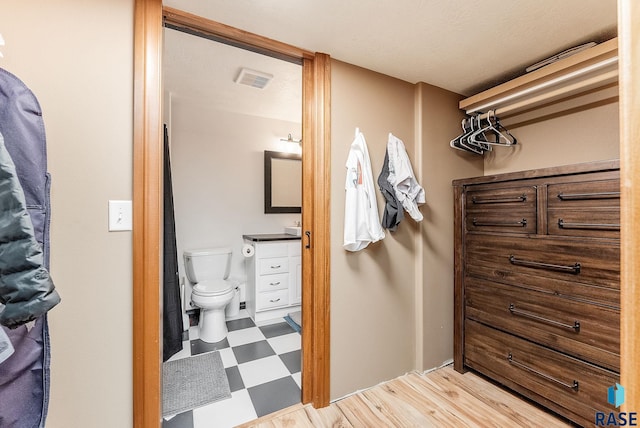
147,203
629,84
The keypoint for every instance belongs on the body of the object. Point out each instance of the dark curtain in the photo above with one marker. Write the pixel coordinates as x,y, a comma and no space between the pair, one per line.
172,314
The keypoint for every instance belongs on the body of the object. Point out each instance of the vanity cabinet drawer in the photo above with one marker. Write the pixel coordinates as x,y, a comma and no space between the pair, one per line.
575,388
277,281
271,249
272,299
273,265
587,331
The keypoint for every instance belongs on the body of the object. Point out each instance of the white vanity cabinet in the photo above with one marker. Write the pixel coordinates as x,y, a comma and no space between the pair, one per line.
274,276
295,276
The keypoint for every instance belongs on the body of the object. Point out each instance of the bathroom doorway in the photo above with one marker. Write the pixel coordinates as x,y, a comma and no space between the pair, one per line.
147,192
224,106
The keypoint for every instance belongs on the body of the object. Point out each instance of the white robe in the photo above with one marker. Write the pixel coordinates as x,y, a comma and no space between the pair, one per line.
401,178
361,219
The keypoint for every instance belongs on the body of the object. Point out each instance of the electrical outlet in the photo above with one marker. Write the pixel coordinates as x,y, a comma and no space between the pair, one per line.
120,216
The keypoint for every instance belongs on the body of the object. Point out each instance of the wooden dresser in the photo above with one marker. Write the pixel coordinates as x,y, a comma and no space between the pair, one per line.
537,284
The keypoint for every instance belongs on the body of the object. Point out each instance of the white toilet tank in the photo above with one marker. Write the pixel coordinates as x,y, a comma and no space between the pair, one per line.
207,264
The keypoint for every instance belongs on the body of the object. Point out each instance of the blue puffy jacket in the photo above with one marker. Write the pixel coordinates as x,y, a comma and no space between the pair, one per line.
26,288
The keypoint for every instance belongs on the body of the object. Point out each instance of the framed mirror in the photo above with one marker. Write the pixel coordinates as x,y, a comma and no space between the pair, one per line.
282,182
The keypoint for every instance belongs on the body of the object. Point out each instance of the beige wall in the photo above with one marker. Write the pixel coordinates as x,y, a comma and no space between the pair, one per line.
372,291
581,136
439,121
217,162
392,303
77,57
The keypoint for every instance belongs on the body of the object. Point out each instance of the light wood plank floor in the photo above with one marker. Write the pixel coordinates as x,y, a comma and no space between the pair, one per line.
441,398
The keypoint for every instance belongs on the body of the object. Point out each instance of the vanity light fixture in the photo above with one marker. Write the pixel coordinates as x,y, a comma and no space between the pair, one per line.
289,139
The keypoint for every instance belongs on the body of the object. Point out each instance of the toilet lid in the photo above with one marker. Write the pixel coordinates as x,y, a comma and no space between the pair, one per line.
213,288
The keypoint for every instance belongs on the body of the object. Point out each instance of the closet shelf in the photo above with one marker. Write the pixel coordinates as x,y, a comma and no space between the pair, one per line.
589,71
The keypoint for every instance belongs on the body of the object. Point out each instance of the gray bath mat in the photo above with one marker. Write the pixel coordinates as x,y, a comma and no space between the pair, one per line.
193,382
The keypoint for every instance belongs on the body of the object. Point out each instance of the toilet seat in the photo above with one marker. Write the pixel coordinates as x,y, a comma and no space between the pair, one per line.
213,288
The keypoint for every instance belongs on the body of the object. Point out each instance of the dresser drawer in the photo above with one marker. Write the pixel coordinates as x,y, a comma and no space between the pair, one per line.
507,210
594,222
553,378
536,261
276,281
585,194
272,299
273,265
511,222
501,200
587,331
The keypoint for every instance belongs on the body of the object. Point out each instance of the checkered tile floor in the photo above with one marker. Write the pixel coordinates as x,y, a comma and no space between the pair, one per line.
263,368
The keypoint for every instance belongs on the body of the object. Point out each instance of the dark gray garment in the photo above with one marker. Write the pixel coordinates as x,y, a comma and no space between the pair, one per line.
24,376
393,213
26,289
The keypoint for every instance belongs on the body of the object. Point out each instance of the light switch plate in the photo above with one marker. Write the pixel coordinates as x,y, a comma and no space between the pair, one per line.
120,216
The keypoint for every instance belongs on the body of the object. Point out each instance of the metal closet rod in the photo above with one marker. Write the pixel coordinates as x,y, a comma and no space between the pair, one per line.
552,94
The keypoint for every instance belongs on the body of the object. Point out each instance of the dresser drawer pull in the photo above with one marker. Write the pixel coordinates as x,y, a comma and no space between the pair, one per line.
521,198
522,223
275,300
276,266
573,387
587,196
274,283
575,327
597,226
560,268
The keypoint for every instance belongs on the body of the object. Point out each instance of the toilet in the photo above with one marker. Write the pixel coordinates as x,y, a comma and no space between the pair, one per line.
208,270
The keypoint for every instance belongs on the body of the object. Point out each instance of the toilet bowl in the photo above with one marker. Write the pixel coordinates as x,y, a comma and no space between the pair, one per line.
208,270
212,297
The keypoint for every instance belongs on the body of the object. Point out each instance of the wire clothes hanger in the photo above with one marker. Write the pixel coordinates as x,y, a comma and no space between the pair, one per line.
498,134
478,137
462,141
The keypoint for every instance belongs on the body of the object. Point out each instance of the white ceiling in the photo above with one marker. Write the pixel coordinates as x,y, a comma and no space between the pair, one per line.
461,45
203,72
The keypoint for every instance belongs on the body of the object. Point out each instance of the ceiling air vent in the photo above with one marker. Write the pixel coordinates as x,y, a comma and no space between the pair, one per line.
256,79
